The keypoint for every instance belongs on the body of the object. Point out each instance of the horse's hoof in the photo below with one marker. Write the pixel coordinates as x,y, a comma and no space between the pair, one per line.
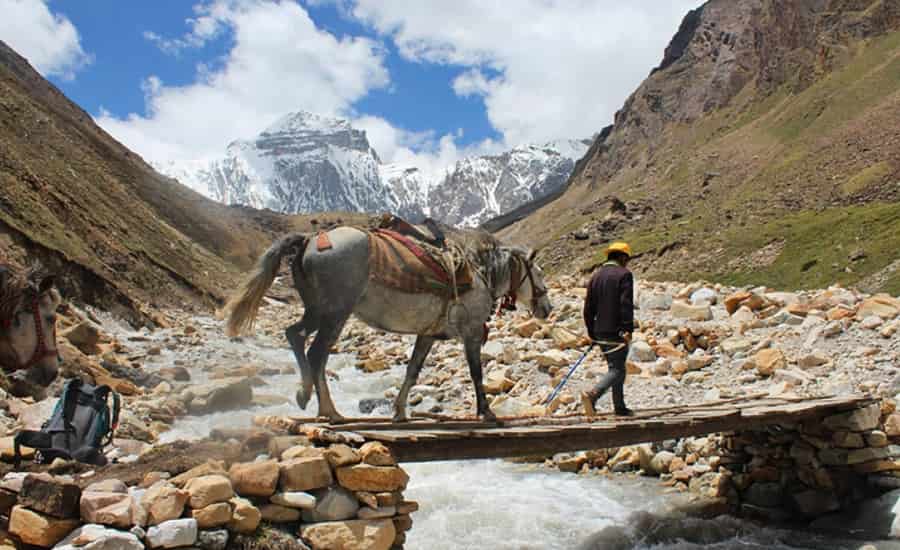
302,398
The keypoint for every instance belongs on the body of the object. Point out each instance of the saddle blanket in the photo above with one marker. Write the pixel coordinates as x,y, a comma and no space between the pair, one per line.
399,262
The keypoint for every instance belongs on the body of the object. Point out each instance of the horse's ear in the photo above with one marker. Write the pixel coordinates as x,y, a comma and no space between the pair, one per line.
48,282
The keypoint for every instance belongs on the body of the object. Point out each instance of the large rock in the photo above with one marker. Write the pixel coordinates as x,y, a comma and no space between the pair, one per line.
505,406
213,515
528,328
363,477
206,490
163,502
661,461
564,339
50,495
858,420
107,508
85,336
210,467
375,453
350,535
245,516
255,479
273,513
641,351
172,533
769,360
704,297
736,344
332,504
496,382
213,540
881,305
305,473
552,358
341,455
220,395
682,310
766,495
296,499
39,529
98,537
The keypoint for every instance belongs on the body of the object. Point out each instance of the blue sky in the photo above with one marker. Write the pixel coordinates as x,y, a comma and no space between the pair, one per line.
429,81
420,97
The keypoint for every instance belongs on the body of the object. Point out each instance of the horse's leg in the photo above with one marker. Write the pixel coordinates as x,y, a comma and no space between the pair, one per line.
296,336
420,352
472,343
329,331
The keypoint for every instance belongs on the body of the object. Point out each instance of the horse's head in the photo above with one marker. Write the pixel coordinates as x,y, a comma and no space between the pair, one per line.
28,356
527,283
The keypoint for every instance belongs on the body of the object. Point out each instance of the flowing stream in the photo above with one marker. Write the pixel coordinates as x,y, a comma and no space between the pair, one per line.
490,504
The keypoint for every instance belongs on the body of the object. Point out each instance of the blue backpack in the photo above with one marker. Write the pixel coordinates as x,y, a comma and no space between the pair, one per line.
81,425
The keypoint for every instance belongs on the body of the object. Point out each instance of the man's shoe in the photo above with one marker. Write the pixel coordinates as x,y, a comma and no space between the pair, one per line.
587,403
624,412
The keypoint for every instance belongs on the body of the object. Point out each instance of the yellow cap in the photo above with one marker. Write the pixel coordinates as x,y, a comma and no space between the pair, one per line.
618,247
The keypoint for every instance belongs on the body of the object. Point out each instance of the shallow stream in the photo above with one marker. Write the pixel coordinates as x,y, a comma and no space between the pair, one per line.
490,504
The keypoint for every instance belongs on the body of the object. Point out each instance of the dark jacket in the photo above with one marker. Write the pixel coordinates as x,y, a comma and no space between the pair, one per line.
609,304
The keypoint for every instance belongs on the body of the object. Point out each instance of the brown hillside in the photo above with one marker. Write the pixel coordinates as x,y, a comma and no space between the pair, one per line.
764,149
121,236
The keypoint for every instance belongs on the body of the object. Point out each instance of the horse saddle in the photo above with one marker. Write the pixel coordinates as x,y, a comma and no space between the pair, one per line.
431,233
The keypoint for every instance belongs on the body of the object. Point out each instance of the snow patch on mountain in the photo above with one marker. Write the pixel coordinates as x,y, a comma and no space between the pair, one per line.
310,163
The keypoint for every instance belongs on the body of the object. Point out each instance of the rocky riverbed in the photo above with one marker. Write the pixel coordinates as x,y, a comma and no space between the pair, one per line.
698,343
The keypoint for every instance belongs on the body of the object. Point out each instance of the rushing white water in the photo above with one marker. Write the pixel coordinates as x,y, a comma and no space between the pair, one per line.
486,503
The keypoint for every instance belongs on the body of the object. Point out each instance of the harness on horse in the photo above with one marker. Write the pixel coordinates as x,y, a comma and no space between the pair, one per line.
508,300
41,350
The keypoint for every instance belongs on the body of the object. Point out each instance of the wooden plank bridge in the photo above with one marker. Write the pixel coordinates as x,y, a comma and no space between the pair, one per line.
437,437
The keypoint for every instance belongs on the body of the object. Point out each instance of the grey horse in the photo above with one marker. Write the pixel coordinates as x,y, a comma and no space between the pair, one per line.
335,283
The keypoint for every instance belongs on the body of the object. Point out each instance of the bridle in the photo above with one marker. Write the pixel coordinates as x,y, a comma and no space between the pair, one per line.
41,349
508,302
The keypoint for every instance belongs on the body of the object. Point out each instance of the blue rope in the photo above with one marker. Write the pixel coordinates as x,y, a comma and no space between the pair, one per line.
566,377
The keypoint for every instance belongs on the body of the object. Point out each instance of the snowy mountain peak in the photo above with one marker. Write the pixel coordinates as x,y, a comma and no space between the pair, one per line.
310,163
301,121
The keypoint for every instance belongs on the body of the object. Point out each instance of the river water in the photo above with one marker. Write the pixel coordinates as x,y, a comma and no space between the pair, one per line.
489,504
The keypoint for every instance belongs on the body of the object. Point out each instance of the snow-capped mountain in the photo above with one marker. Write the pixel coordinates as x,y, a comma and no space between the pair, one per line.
310,163
480,188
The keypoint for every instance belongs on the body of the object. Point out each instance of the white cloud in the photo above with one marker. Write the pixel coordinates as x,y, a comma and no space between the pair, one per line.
279,63
49,41
424,150
561,69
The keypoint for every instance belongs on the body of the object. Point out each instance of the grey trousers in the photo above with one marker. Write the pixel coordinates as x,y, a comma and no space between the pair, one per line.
615,376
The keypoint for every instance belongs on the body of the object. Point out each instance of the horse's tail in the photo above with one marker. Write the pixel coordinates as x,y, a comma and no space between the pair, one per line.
243,306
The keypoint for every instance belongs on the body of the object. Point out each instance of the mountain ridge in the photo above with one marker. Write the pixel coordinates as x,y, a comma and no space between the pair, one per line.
763,119
307,163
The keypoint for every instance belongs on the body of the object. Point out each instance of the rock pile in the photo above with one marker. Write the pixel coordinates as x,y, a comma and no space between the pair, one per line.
789,472
329,497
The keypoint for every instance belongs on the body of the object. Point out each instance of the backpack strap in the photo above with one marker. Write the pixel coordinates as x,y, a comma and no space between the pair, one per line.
114,423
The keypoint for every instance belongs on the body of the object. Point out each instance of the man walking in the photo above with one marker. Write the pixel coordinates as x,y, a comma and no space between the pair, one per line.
609,318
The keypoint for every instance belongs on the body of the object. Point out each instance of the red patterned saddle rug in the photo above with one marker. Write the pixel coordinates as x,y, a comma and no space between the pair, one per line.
399,262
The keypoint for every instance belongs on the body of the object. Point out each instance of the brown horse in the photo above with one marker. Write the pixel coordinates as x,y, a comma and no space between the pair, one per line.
28,356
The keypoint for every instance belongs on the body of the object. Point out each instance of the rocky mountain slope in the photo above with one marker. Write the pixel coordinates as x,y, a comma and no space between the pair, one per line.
764,148
310,163
120,235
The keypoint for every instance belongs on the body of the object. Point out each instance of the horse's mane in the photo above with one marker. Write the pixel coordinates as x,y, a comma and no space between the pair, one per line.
483,251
